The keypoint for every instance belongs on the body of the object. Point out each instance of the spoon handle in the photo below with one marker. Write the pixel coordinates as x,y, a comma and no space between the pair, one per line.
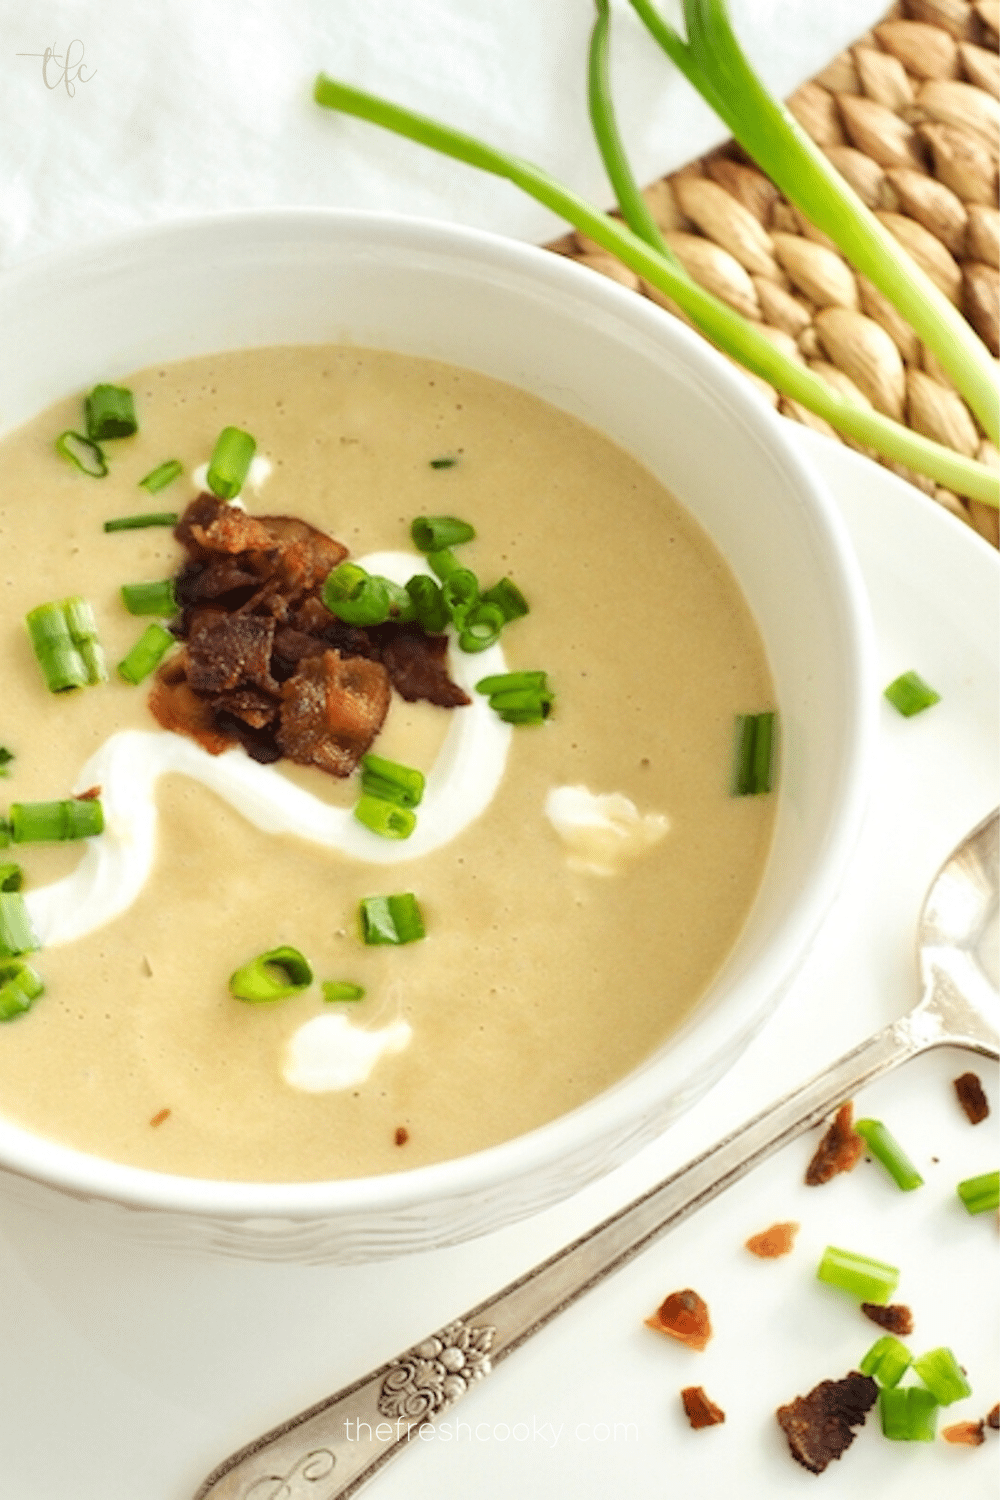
332,1449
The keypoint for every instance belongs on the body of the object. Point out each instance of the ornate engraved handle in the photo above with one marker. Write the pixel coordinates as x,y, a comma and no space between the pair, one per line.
331,1450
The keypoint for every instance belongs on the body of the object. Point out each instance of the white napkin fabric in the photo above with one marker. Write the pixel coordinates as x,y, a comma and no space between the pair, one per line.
178,107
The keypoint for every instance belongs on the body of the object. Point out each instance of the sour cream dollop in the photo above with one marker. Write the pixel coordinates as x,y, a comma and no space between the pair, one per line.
602,831
114,868
330,1052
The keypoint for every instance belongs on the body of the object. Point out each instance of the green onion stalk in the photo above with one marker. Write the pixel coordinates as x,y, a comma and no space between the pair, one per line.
644,252
713,62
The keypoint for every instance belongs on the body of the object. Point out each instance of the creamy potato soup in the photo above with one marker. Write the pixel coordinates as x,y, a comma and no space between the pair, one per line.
579,881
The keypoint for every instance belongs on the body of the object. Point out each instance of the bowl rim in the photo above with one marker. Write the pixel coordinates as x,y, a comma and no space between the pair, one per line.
482,1173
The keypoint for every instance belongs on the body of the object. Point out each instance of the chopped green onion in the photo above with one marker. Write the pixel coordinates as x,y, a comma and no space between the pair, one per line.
461,592
860,1276
508,597
909,1413
17,934
511,682
443,563
4,833
62,665
86,455
717,320
943,1376
886,1149
6,756
887,1361
271,976
150,598
56,822
138,523
341,989
754,753
147,653
391,919
157,479
230,462
437,533
391,781
910,694
110,413
387,819
443,463
980,1194
400,604
83,633
481,627
429,608
19,986
356,597
11,877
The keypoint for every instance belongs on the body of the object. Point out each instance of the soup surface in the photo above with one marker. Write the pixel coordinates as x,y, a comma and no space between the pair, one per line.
539,983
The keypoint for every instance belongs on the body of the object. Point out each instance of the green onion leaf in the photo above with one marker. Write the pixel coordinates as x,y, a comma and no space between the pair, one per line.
436,533
754,753
62,665
4,833
858,1275
230,462
443,463
461,591
391,919
910,694
138,523
511,682
518,697
387,819
83,453
508,597
481,627
110,413
887,1361
980,1194
943,1376
341,989
429,608
83,633
272,976
356,597
6,756
157,479
17,935
443,563
909,1413
150,598
715,318
19,986
391,781
11,877
147,653
886,1149
56,822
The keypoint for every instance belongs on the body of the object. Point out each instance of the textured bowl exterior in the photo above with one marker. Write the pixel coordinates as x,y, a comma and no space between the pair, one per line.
628,369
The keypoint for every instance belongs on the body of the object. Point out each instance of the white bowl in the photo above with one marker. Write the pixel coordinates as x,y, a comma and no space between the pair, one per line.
623,366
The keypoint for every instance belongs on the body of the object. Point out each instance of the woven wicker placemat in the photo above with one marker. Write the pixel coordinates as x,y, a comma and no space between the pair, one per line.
909,114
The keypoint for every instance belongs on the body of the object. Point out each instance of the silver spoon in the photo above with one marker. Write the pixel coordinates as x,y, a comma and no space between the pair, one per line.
321,1455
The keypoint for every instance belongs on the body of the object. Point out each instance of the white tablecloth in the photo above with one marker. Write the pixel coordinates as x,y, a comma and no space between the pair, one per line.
153,111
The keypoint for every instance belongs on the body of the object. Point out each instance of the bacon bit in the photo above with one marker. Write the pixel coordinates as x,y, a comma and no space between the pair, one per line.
402,1135
160,1116
684,1315
894,1317
840,1150
969,1434
700,1411
819,1426
993,1418
972,1098
332,711
770,1243
90,795
417,666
